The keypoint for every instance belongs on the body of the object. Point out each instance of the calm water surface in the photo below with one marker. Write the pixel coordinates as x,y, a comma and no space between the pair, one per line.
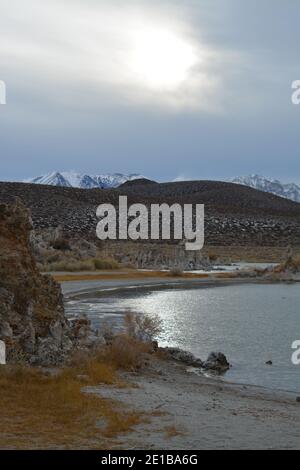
250,323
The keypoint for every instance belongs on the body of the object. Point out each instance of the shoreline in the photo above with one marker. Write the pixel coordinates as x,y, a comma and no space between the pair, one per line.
77,284
189,410
83,289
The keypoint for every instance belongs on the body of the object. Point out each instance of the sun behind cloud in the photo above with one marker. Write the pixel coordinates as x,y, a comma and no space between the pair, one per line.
161,60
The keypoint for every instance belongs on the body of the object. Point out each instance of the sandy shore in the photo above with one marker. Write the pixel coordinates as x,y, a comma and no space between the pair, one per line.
188,411
191,411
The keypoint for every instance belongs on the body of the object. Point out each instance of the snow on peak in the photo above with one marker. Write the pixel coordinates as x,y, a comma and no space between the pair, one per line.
85,181
273,186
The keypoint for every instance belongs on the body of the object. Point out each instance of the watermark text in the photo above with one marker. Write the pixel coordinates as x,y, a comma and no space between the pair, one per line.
2,353
296,354
137,222
2,92
296,93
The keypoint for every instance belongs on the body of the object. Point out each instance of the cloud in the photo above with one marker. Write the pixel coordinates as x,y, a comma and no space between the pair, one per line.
74,98
88,46
181,178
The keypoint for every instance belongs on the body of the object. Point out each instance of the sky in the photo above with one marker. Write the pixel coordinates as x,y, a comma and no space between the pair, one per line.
189,89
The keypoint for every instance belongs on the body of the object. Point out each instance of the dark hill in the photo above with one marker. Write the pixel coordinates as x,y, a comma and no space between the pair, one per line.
136,183
235,214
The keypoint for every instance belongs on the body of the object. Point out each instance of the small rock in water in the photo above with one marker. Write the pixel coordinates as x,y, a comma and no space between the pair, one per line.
269,363
298,399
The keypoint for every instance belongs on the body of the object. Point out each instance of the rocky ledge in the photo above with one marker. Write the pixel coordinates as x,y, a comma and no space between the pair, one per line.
33,325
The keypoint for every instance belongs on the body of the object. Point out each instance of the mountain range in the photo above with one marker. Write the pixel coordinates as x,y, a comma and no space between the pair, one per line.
286,190
72,179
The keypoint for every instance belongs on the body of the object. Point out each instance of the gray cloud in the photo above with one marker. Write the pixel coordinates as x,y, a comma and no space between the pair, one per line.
75,101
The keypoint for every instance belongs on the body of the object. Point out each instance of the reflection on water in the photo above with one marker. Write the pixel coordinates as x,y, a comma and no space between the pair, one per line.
251,324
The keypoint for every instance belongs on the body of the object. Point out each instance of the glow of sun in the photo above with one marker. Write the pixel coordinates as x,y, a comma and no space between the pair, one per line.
161,60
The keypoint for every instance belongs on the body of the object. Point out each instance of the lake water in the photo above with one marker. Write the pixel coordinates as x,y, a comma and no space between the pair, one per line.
250,323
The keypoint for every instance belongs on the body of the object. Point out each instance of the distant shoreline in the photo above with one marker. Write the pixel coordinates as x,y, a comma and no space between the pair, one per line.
80,283
77,284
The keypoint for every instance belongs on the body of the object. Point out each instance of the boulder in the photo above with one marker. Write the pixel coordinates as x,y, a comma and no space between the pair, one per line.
183,356
216,362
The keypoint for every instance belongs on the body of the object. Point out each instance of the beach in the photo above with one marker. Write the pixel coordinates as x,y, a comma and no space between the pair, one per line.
188,411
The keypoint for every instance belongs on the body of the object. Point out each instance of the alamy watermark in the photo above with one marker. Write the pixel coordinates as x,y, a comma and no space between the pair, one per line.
137,222
2,353
296,354
296,93
2,92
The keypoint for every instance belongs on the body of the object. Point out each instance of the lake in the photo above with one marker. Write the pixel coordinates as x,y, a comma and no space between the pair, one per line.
250,323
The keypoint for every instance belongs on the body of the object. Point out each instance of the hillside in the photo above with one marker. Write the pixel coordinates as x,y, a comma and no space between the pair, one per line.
235,214
72,179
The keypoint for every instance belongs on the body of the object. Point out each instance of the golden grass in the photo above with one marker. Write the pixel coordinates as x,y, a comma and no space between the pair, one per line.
176,272
227,275
71,265
39,411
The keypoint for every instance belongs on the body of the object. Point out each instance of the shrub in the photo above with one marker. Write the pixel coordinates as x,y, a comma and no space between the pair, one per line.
106,264
61,244
69,266
175,272
142,327
127,353
212,256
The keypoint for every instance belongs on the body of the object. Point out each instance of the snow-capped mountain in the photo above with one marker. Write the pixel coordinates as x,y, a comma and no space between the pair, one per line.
72,179
288,191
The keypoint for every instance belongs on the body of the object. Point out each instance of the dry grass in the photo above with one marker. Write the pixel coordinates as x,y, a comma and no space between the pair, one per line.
130,350
107,263
69,265
129,274
292,264
175,272
51,411
227,275
128,353
212,255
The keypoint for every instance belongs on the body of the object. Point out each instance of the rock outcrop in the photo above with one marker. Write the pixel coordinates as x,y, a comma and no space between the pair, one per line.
185,357
216,361
32,321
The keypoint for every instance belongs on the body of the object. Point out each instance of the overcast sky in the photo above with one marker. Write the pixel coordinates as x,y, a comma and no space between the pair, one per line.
169,89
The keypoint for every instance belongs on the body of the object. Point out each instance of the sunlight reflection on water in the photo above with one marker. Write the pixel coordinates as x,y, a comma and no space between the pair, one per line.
250,323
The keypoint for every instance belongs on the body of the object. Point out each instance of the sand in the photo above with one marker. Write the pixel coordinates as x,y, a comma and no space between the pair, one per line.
188,411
